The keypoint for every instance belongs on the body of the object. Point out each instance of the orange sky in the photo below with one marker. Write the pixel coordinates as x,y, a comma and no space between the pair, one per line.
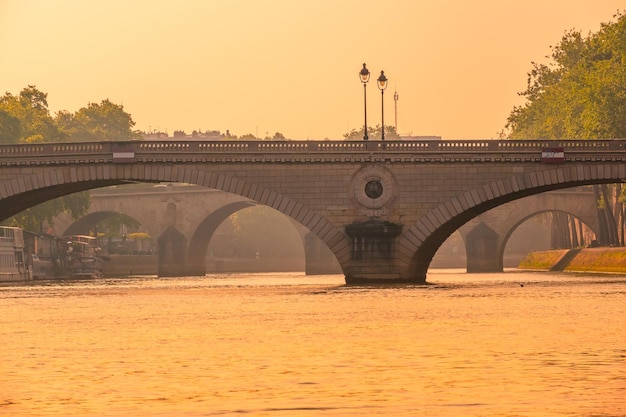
261,66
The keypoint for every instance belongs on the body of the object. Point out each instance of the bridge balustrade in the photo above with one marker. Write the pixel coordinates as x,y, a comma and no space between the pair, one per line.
399,146
161,146
340,146
407,146
224,146
565,144
283,146
463,145
77,147
512,145
22,149
586,145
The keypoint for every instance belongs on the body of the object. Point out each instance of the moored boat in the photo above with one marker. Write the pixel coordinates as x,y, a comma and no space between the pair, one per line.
83,257
13,265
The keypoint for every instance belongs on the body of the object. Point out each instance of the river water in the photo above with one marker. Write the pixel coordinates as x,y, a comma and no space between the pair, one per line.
510,344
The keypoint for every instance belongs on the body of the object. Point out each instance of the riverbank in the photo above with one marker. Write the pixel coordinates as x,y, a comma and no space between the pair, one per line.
603,259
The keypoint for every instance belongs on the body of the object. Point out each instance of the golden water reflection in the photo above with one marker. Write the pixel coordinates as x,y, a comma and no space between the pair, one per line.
286,344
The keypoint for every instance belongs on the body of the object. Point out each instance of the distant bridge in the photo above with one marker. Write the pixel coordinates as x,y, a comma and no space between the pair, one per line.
198,211
382,208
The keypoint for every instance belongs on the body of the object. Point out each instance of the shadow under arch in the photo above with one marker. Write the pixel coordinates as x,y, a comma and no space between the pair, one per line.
422,240
462,256
334,238
86,224
16,203
485,237
199,243
38,192
512,230
313,249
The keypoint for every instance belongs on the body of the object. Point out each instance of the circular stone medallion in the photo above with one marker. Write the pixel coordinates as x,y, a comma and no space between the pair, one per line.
373,189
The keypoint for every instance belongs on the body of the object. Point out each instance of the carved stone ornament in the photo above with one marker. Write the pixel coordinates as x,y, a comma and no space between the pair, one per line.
373,189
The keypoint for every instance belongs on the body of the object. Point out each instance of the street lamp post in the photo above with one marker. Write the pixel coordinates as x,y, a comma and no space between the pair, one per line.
382,84
364,75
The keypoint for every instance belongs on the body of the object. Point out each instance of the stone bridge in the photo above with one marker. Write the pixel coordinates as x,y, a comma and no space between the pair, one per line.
195,211
198,211
382,208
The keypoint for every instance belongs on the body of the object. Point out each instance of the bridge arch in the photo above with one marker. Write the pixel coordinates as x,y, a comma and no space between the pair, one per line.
507,236
199,243
36,189
420,242
86,223
313,221
500,223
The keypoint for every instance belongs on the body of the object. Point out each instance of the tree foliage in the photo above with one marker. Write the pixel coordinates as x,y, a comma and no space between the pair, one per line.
248,136
25,118
277,136
97,122
581,94
10,127
372,133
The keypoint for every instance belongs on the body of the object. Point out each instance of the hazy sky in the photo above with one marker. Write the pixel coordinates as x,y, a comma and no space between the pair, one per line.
262,66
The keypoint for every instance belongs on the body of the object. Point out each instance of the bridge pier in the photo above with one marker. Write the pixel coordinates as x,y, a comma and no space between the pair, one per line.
172,246
482,249
373,253
368,273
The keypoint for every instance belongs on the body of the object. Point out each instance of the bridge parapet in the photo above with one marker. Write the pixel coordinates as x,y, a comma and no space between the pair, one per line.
571,147
48,148
309,152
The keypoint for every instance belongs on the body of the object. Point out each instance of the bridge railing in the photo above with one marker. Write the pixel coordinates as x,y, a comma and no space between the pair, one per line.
52,148
208,147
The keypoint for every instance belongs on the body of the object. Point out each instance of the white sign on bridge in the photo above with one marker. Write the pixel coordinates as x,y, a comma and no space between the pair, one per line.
121,155
552,155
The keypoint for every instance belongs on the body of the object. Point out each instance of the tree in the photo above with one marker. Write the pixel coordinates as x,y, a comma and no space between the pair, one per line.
248,136
372,133
98,122
277,136
25,118
10,127
32,97
581,94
